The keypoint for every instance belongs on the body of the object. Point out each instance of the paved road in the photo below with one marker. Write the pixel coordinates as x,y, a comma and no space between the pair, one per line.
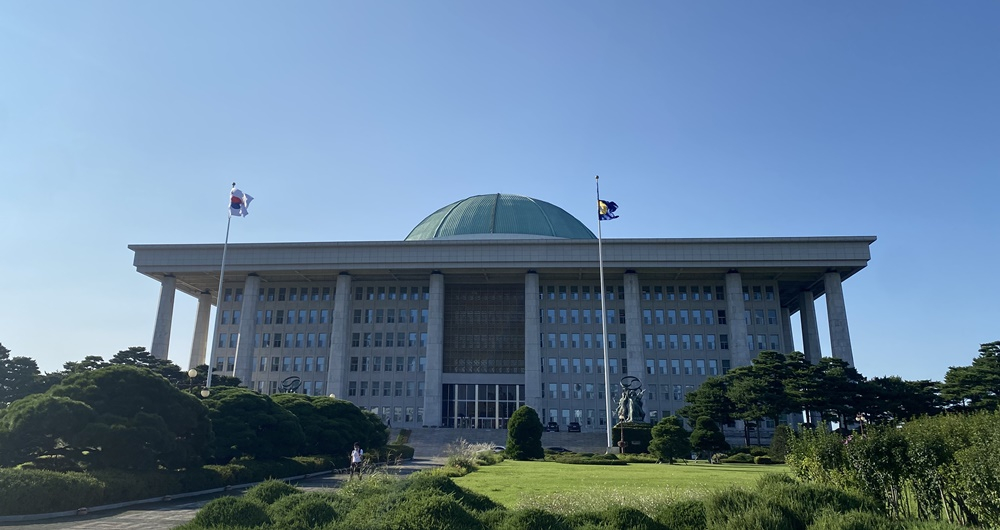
167,515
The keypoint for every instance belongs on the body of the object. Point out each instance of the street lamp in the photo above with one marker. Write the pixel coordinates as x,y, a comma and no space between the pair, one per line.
192,373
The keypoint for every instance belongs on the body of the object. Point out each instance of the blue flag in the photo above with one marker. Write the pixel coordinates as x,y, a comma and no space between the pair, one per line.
606,210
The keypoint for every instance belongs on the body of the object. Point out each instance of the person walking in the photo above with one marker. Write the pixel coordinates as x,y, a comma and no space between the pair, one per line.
357,455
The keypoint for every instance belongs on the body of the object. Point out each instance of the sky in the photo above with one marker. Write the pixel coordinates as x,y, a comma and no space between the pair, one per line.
126,122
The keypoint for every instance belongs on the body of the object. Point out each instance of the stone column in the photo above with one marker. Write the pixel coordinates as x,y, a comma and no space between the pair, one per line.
810,330
739,352
836,314
532,348
633,327
435,351
786,330
201,322
164,316
245,340
339,337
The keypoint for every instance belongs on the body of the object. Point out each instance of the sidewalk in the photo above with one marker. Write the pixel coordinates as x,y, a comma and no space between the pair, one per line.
167,515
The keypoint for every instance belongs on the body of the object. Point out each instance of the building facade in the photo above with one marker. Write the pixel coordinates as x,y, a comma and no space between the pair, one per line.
494,302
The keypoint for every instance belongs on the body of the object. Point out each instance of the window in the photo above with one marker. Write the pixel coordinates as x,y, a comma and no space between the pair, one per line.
576,365
700,366
309,364
708,317
352,388
697,342
769,292
673,341
661,341
320,366
687,366
647,341
723,342
772,317
722,316
647,316
354,364
588,366
671,317
297,364
685,342
710,342
286,364
675,366
564,365
773,342
662,363
758,317
574,316
650,367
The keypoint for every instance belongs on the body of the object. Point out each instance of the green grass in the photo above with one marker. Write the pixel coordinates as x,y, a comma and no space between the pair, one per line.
565,488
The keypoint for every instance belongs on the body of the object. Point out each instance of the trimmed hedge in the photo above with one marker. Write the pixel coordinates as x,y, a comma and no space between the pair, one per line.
29,491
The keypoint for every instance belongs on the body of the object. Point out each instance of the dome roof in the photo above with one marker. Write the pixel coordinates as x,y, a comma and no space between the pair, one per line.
500,216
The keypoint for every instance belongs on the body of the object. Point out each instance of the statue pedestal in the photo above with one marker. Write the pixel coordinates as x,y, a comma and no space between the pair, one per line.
635,435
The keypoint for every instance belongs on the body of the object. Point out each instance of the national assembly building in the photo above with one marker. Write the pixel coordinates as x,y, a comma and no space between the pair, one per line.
494,302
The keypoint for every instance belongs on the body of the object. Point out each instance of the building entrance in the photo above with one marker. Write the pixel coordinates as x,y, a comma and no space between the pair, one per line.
480,406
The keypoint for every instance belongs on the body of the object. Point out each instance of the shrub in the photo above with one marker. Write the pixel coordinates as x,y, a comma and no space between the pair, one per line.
762,517
269,491
421,512
533,518
806,501
854,521
779,442
394,452
683,515
631,518
759,451
738,458
524,435
443,485
21,491
302,512
763,460
232,511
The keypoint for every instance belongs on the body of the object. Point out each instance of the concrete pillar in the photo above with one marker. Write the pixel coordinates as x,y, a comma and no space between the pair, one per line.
633,327
339,337
435,351
810,330
164,316
202,320
532,348
786,330
245,340
739,351
836,314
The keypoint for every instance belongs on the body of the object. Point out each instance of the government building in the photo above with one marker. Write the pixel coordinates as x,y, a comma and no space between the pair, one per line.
494,302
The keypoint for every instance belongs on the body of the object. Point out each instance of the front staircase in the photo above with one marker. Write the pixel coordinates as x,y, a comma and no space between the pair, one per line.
428,443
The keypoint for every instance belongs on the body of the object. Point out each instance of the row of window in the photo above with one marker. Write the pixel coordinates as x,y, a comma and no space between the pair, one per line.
283,294
375,364
309,388
385,388
277,340
592,391
291,364
388,340
576,365
390,293
620,341
546,316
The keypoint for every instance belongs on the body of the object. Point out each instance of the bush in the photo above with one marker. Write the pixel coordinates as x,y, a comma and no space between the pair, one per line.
759,451
443,485
394,452
763,460
806,501
302,511
631,518
763,517
854,521
28,491
683,515
232,511
524,435
738,458
269,491
422,512
533,518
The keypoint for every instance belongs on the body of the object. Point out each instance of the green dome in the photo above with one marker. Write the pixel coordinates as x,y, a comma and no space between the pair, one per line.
500,216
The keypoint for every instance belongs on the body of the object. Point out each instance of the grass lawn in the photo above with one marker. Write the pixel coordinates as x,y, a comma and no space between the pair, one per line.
567,488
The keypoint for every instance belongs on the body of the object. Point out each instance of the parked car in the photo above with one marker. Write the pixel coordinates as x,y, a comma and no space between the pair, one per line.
558,450
551,427
573,427
499,448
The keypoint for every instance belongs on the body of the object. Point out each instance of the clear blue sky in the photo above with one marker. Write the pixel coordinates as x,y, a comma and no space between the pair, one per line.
125,122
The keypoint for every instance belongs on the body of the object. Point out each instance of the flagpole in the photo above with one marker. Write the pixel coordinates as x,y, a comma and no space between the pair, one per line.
218,299
604,317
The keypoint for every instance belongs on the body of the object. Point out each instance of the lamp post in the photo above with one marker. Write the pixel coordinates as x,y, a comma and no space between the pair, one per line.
192,373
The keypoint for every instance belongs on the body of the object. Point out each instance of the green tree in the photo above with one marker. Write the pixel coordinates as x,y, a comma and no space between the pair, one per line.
975,387
250,424
670,440
524,435
710,399
331,426
758,391
19,377
842,388
138,356
41,426
141,421
706,436
895,400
